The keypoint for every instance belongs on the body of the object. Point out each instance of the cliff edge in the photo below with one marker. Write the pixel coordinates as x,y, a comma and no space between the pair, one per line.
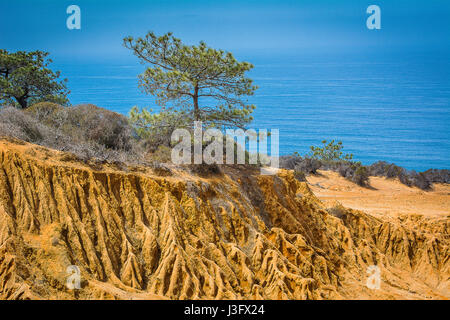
134,234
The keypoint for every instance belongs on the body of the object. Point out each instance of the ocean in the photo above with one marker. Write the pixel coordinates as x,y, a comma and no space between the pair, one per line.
392,107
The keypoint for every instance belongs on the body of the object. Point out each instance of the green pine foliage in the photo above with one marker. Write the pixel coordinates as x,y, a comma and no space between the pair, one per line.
330,151
25,79
192,83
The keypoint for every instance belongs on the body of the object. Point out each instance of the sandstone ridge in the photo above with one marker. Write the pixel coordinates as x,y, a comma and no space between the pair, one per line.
136,235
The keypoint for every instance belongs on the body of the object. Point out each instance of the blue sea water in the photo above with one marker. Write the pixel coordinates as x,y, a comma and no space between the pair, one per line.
394,108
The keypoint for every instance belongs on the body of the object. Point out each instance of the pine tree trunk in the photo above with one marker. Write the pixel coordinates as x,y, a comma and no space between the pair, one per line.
22,101
196,108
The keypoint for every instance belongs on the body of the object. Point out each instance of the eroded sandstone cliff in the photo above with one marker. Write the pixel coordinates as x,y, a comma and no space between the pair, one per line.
136,235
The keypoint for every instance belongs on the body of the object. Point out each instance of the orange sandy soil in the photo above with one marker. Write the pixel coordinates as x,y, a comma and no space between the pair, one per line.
384,196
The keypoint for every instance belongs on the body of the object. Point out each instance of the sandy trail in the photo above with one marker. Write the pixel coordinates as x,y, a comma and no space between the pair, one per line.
386,196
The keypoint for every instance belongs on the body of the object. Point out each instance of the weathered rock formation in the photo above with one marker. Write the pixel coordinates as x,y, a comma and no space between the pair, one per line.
136,235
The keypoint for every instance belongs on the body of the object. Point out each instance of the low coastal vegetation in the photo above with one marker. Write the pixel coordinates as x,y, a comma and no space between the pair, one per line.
86,131
331,157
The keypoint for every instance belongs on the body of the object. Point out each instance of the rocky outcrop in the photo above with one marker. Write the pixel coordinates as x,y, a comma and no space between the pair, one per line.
136,235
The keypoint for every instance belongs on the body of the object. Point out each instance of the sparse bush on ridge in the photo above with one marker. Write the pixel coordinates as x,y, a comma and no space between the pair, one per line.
353,171
421,181
437,175
205,169
290,161
86,131
156,128
337,210
361,176
384,169
161,169
329,152
105,127
409,178
162,154
85,123
18,124
308,165
296,162
299,174
330,157
45,111
358,173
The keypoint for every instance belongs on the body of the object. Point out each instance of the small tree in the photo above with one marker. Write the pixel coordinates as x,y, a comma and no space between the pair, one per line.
206,84
25,78
330,152
156,128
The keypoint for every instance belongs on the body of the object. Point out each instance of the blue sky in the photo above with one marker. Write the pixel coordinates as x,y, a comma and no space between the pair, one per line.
239,26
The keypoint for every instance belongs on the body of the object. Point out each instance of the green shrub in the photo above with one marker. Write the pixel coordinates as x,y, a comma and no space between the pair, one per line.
337,210
105,127
299,175
353,171
306,164
410,178
330,151
44,111
437,175
421,180
204,169
361,176
162,154
161,169
17,124
156,128
86,131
